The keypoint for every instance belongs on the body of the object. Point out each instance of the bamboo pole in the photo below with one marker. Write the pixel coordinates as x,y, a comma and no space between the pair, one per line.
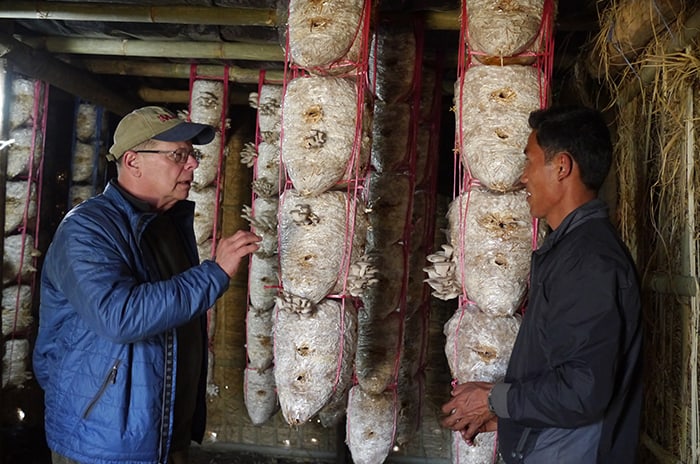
176,70
158,48
692,269
41,65
679,285
170,14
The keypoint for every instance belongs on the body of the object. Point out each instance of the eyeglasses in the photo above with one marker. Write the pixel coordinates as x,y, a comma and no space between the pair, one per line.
179,156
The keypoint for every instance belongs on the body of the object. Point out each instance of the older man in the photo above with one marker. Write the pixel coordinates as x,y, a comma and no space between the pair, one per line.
121,350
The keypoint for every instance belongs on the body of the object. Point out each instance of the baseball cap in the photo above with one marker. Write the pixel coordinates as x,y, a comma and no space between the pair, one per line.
155,122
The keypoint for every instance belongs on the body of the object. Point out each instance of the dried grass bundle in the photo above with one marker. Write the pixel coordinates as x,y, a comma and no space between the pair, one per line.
19,153
317,241
320,116
371,423
379,345
18,196
492,238
86,122
314,356
390,136
495,104
259,394
204,212
259,337
22,103
16,309
15,362
324,32
84,158
207,102
388,196
503,28
263,280
392,60
478,346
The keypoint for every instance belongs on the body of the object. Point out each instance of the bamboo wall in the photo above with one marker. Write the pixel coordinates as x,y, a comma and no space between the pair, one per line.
657,100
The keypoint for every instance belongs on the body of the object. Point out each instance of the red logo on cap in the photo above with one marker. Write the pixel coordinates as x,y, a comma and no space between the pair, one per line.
165,117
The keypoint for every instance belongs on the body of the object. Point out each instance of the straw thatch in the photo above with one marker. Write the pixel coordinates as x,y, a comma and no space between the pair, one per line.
656,159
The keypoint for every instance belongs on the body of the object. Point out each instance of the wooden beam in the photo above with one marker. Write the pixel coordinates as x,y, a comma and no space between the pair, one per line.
158,48
41,65
171,14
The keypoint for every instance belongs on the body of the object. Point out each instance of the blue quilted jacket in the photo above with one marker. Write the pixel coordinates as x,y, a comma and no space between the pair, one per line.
104,354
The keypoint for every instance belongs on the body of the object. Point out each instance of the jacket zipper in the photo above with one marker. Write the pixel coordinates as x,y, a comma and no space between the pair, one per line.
518,453
110,379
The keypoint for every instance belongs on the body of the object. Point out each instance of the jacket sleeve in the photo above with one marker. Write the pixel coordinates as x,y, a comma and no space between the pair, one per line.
97,273
581,338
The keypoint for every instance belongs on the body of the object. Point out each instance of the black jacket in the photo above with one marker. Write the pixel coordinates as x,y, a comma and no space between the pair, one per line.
577,357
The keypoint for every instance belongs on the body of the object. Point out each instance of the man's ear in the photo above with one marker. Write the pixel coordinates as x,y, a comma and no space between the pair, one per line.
131,163
565,165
